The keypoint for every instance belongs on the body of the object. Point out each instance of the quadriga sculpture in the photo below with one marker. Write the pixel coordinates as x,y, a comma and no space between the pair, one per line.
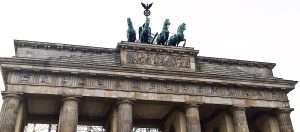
131,35
164,35
178,37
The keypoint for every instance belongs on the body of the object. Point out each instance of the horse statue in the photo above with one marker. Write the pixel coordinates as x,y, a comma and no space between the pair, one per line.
178,37
162,38
145,32
131,35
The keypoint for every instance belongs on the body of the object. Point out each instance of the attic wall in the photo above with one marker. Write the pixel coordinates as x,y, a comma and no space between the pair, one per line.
209,67
43,54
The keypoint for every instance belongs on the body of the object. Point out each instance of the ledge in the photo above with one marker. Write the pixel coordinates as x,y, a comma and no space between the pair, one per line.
236,62
60,46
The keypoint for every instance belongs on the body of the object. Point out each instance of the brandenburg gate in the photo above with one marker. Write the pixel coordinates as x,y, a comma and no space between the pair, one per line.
140,85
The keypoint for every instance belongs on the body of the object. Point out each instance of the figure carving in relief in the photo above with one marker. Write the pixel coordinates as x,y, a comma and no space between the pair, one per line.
100,82
185,89
25,78
152,86
44,79
64,81
246,93
81,82
167,88
117,85
135,84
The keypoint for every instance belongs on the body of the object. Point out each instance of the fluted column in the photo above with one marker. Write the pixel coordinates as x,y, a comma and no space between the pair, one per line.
284,119
240,119
9,111
68,118
192,118
124,115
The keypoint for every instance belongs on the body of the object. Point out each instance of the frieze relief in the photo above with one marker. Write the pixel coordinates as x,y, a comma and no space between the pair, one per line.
154,59
145,86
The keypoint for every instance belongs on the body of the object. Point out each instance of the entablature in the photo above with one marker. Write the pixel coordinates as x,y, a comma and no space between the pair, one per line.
285,85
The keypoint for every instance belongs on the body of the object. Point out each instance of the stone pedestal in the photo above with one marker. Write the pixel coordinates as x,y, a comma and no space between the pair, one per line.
68,118
192,118
284,119
240,119
124,115
9,112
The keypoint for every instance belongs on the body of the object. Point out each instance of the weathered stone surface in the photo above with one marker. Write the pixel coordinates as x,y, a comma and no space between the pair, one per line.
124,115
145,86
159,78
284,120
176,122
240,119
221,123
9,112
264,122
68,118
192,118
157,57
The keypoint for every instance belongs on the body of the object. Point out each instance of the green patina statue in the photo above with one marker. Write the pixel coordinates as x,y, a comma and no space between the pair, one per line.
163,37
178,37
145,32
131,35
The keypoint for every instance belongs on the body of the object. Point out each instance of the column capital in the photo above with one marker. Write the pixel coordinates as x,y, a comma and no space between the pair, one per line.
239,107
125,100
75,98
192,104
11,95
284,110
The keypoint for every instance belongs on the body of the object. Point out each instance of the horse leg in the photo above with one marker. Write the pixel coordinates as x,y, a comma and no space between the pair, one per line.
184,42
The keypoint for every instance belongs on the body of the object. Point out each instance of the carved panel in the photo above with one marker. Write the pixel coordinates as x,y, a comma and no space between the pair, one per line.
154,59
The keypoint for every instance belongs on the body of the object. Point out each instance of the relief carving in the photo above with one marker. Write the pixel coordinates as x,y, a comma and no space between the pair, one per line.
245,93
151,86
118,84
166,60
185,89
44,79
100,82
81,82
166,88
25,78
136,84
64,81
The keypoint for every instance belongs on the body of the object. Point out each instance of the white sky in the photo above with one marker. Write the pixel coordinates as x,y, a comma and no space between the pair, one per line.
259,30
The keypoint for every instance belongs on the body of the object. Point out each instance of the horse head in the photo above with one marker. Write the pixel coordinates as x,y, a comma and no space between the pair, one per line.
167,24
181,28
129,22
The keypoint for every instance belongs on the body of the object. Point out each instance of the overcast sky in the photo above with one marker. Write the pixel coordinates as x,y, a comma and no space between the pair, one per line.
258,30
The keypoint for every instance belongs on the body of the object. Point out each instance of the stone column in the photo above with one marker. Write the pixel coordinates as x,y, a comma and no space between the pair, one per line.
9,112
240,119
192,118
68,118
284,119
124,115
